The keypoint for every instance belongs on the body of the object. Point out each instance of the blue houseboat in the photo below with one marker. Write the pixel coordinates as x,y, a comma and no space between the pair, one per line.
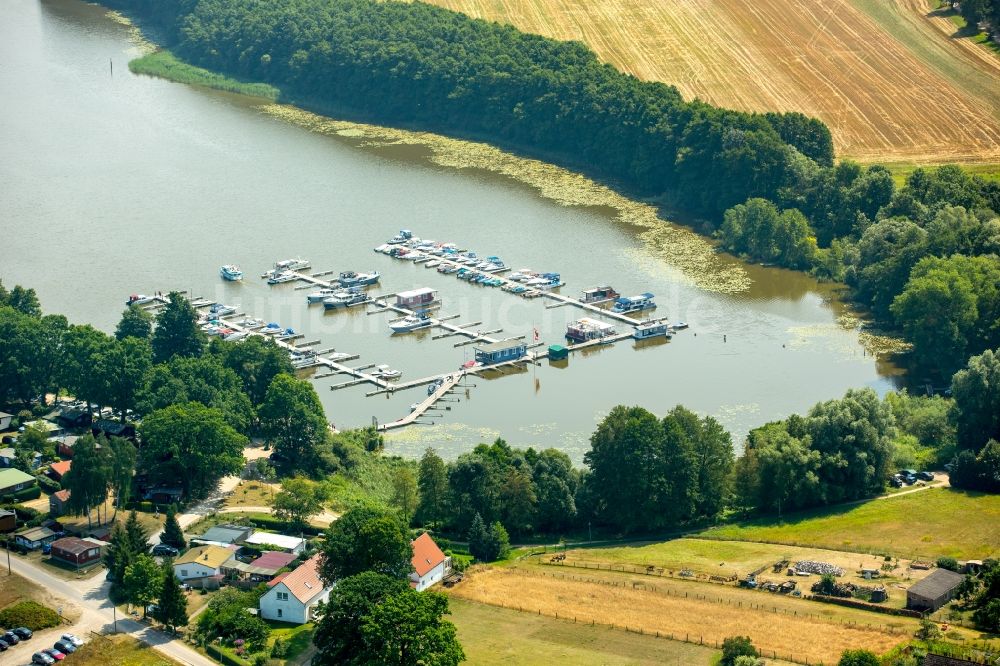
498,352
634,303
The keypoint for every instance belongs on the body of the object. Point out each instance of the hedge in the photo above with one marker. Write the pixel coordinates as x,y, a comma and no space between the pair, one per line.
224,657
50,485
864,605
32,493
264,521
28,614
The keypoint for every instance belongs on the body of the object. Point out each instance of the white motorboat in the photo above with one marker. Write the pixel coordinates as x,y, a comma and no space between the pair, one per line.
296,264
410,322
343,299
339,356
282,277
220,310
139,299
233,335
231,272
318,296
383,247
385,372
433,263
251,322
352,279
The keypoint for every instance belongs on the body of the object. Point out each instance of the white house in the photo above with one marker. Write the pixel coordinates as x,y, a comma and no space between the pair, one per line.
5,420
430,565
293,596
201,562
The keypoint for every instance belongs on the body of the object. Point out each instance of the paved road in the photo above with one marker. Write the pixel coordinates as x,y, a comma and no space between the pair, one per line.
91,596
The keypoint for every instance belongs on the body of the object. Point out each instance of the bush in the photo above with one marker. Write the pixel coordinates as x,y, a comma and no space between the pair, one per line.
28,614
32,493
858,658
949,563
48,485
280,649
737,646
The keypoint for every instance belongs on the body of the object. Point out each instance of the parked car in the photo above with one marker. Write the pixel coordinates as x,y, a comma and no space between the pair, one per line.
10,638
65,647
23,633
54,653
925,476
151,609
3,646
165,550
72,638
42,659
46,548
896,482
9,439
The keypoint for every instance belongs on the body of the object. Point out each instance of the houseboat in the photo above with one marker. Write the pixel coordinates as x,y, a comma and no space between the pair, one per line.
231,272
652,329
498,352
352,279
416,298
599,295
634,303
586,329
410,322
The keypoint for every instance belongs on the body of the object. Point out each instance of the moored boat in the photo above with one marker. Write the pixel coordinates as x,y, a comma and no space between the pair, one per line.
282,277
318,296
139,299
297,264
586,329
410,322
353,279
219,310
343,299
383,371
599,294
231,272
652,329
626,304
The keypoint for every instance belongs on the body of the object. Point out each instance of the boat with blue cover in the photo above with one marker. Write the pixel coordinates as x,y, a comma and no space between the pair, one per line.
627,304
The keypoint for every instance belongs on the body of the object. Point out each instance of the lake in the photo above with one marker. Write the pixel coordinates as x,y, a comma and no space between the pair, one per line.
112,184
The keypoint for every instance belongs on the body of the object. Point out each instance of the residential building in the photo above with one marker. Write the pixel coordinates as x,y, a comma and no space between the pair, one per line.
201,562
272,541
76,552
57,470
57,502
934,591
35,538
13,480
430,565
8,520
5,420
8,456
226,534
262,569
293,596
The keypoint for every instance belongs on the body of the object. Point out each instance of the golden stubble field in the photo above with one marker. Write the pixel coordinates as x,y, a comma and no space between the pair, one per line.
800,637
889,81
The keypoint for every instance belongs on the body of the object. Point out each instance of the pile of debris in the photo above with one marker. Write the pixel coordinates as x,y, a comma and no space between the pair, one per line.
845,590
821,568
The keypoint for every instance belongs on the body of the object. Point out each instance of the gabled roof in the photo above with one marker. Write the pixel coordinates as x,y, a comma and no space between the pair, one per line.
61,467
277,579
426,554
11,477
36,534
73,545
209,556
61,495
304,583
272,539
226,533
274,560
938,582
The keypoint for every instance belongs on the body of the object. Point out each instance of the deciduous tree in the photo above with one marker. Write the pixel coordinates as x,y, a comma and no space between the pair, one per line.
366,539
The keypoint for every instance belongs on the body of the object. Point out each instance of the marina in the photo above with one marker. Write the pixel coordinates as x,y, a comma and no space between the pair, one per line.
274,189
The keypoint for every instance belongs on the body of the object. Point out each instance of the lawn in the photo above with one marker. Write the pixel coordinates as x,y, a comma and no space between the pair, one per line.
492,635
927,524
298,638
120,650
252,493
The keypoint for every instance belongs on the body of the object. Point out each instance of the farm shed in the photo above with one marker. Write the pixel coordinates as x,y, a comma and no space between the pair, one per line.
934,591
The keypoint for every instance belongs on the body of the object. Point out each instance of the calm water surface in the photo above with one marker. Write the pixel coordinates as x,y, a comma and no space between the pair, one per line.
111,185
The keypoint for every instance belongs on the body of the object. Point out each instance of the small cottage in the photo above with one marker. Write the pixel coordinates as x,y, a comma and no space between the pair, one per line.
12,480
430,565
57,470
201,562
5,420
57,502
278,542
934,591
8,520
75,552
226,534
35,538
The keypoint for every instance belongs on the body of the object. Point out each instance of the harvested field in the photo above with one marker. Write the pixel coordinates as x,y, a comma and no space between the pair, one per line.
928,524
891,85
687,618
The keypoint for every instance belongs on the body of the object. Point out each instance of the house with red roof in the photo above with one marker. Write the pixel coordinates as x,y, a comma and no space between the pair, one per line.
57,470
293,596
57,502
430,565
